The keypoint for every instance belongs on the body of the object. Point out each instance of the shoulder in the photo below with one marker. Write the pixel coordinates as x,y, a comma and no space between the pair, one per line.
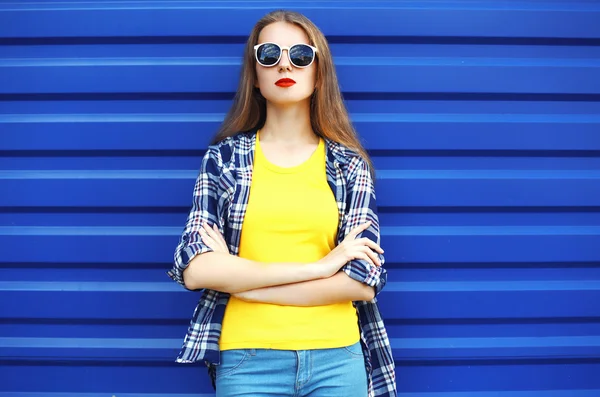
227,150
340,153
350,161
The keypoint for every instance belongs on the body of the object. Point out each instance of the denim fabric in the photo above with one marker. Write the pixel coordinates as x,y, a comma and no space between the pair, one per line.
337,372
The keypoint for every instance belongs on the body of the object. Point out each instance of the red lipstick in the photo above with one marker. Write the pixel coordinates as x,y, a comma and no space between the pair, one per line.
285,83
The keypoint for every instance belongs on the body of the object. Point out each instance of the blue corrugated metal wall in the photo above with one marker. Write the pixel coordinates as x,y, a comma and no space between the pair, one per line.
483,120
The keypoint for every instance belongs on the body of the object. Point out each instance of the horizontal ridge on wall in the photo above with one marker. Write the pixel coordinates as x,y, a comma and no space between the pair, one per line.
425,131
331,39
161,300
418,75
355,96
502,348
525,19
90,188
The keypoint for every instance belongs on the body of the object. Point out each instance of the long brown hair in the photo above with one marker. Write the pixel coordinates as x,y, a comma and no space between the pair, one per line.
328,115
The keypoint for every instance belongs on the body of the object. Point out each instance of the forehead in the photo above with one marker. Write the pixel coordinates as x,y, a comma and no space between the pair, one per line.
283,33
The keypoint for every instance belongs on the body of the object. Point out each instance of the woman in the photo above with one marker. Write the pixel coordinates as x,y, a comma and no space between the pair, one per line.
283,235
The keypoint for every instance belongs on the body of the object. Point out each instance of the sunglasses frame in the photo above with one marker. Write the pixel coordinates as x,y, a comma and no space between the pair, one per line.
281,49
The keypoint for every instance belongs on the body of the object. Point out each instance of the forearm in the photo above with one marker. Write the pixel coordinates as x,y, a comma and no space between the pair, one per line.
232,274
336,289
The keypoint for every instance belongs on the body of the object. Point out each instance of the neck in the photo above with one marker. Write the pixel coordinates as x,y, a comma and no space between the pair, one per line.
289,124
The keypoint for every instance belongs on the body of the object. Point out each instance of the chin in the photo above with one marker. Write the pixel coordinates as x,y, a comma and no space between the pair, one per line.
286,103
281,99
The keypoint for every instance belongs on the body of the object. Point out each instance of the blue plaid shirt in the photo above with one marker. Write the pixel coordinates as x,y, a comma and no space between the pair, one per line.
221,196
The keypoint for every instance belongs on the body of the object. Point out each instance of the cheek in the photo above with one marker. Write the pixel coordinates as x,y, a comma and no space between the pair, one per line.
262,76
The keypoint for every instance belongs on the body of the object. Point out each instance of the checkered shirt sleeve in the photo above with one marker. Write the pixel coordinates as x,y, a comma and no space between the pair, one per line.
204,209
360,208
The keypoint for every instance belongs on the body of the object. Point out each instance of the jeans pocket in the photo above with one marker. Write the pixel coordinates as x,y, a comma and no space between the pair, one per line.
231,360
354,351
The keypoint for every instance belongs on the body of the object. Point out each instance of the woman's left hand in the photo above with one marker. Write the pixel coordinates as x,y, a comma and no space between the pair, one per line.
213,238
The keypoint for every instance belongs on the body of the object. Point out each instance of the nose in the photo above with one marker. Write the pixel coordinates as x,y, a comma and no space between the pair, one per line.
284,62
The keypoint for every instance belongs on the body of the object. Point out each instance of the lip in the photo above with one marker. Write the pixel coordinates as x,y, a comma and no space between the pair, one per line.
285,82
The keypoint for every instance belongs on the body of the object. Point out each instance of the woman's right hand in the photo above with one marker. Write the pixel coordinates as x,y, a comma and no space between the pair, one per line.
349,249
212,237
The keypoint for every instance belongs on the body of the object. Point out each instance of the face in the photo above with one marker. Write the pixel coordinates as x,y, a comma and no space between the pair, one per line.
285,34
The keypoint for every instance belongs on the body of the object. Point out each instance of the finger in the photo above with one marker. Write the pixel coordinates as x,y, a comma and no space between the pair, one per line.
209,230
222,245
219,234
207,240
373,256
215,235
371,244
361,253
364,257
354,232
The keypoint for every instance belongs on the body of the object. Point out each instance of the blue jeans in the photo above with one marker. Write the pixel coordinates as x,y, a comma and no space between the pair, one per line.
338,372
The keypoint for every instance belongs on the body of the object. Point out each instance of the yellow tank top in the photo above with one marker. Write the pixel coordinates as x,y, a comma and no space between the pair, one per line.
292,216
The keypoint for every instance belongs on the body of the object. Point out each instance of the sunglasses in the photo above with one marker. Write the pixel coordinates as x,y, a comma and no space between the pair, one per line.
300,55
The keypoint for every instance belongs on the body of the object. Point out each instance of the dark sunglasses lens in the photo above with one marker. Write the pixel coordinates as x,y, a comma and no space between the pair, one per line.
268,54
301,55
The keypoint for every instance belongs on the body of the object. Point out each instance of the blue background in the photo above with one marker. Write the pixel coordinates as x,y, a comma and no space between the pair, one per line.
483,121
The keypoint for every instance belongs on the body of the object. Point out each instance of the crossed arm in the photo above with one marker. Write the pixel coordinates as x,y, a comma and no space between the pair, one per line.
335,289
317,290
198,265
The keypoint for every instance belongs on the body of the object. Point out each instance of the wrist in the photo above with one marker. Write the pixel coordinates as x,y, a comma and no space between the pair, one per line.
315,271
